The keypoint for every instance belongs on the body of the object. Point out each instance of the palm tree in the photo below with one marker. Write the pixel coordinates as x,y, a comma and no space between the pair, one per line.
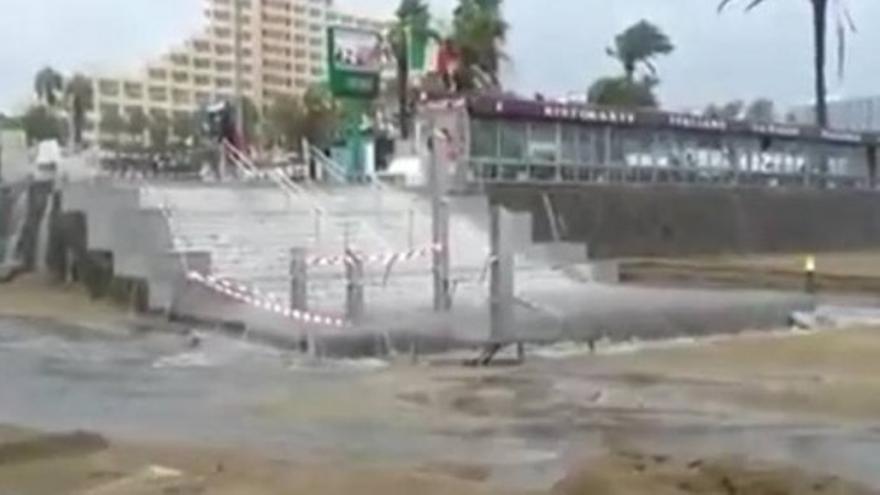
80,98
843,20
478,31
413,23
639,45
48,83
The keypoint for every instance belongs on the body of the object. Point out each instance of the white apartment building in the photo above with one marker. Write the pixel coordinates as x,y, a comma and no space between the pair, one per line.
852,114
283,51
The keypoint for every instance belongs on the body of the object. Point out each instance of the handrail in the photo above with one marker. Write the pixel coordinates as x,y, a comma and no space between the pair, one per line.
327,163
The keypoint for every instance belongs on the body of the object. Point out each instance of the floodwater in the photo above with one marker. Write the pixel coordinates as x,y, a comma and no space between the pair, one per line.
527,425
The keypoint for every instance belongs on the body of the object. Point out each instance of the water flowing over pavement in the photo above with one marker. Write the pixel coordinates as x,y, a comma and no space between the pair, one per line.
525,425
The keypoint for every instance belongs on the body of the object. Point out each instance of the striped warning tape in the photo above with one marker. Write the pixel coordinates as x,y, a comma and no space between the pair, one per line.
256,298
376,258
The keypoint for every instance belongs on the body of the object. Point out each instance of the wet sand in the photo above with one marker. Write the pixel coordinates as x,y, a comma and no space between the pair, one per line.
35,297
622,421
85,464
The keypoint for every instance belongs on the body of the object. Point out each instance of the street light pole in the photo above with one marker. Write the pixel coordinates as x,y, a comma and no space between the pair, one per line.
237,63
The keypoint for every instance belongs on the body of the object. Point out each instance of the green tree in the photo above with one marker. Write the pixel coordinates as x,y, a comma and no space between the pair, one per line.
322,116
137,124
80,100
40,124
112,124
843,23
159,130
620,91
252,119
479,30
285,122
761,110
638,45
48,84
731,110
183,125
411,28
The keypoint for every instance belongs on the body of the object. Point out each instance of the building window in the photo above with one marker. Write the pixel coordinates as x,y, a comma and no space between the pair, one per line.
108,88
202,46
180,59
134,91
223,66
203,98
202,63
202,80
158,114
158,74
223,82
180,77
158,93
180,96
223,49
222,32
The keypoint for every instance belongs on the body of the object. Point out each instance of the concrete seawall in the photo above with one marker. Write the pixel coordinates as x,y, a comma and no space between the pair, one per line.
663,220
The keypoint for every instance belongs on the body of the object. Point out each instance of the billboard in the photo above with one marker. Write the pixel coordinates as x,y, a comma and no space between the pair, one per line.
355,62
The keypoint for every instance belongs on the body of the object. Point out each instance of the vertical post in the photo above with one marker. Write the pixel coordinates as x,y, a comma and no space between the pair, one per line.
501,276
237,29
439,226
318,220
607,152
221,170
410,228
298,279
354,294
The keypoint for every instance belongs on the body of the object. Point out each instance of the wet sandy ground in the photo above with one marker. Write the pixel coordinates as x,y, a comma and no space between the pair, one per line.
755,414
752,414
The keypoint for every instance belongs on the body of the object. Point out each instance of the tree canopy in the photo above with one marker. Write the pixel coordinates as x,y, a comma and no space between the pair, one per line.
636,46
639,45
80,100
40,124
479,30
48,85
620,91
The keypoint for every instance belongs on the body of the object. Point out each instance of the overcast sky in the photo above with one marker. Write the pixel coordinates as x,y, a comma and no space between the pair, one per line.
555,46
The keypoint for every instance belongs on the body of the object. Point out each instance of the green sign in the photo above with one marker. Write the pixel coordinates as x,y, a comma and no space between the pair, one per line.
355,62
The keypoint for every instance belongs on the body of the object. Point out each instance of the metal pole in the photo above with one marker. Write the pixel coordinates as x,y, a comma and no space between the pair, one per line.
354,274
501,282
237,64
298,279
439,227
410,226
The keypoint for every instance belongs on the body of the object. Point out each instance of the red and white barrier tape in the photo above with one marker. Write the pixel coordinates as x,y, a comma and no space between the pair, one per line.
377,258
254,297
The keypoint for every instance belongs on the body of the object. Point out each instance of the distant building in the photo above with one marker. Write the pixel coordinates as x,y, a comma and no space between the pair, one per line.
283,51
854,114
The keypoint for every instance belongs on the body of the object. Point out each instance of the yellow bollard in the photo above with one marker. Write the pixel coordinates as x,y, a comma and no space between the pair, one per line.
810,274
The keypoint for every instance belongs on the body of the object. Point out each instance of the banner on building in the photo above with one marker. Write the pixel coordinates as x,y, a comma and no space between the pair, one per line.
355,62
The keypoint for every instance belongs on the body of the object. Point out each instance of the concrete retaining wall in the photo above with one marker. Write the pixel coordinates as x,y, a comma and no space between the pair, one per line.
621,221
138,240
